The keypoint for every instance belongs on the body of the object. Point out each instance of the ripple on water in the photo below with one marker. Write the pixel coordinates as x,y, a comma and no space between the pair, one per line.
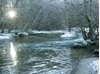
47,57
44,60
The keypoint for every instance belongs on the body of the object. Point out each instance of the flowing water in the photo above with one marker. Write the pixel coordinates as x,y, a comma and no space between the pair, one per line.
43,53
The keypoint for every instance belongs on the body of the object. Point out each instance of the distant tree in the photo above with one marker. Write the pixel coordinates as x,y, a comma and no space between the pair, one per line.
90,19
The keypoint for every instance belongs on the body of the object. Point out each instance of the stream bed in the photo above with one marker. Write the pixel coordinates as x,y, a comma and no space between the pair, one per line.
41,54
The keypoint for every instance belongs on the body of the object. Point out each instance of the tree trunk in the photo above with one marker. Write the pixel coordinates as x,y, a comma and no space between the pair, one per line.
67,18
2,28
89,18
69,24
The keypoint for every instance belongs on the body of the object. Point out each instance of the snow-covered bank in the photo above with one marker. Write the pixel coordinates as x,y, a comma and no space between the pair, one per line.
65,33
49,32
5,36
88,66
69,34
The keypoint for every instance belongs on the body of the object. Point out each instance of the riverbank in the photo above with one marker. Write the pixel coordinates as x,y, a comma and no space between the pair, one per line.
44,53
87,66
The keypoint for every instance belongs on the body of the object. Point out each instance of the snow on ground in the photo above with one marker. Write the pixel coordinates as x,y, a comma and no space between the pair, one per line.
5,36
49,32
66,33
69,34
24,33
88,66
94,66
87,29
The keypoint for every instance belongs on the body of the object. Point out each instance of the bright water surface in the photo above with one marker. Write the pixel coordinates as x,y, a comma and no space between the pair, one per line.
43,53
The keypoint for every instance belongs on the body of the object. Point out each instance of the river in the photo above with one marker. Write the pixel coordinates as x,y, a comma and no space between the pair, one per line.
43,53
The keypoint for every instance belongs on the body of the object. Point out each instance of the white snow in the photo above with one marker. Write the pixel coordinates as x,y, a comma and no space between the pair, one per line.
24,33
5,36
94,66
88,66
49,32
87,29
69,34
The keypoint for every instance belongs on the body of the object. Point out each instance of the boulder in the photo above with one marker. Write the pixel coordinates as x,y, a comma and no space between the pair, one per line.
90,42
96,52
80,45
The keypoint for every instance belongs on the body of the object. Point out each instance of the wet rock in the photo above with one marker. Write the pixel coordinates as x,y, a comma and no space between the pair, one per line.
97,43
93,42
96,52
80,45
21,35
90,42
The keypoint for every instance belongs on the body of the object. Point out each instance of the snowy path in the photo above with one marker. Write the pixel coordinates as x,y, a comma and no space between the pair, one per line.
88,66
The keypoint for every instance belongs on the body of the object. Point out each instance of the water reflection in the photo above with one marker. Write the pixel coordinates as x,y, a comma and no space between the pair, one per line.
13,53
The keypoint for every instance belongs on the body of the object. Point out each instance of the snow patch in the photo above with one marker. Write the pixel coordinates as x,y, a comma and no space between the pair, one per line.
69,34
49,32
5,36
88,66
87,29
94,66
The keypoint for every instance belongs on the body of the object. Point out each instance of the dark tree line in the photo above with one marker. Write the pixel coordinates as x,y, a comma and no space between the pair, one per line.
55,14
